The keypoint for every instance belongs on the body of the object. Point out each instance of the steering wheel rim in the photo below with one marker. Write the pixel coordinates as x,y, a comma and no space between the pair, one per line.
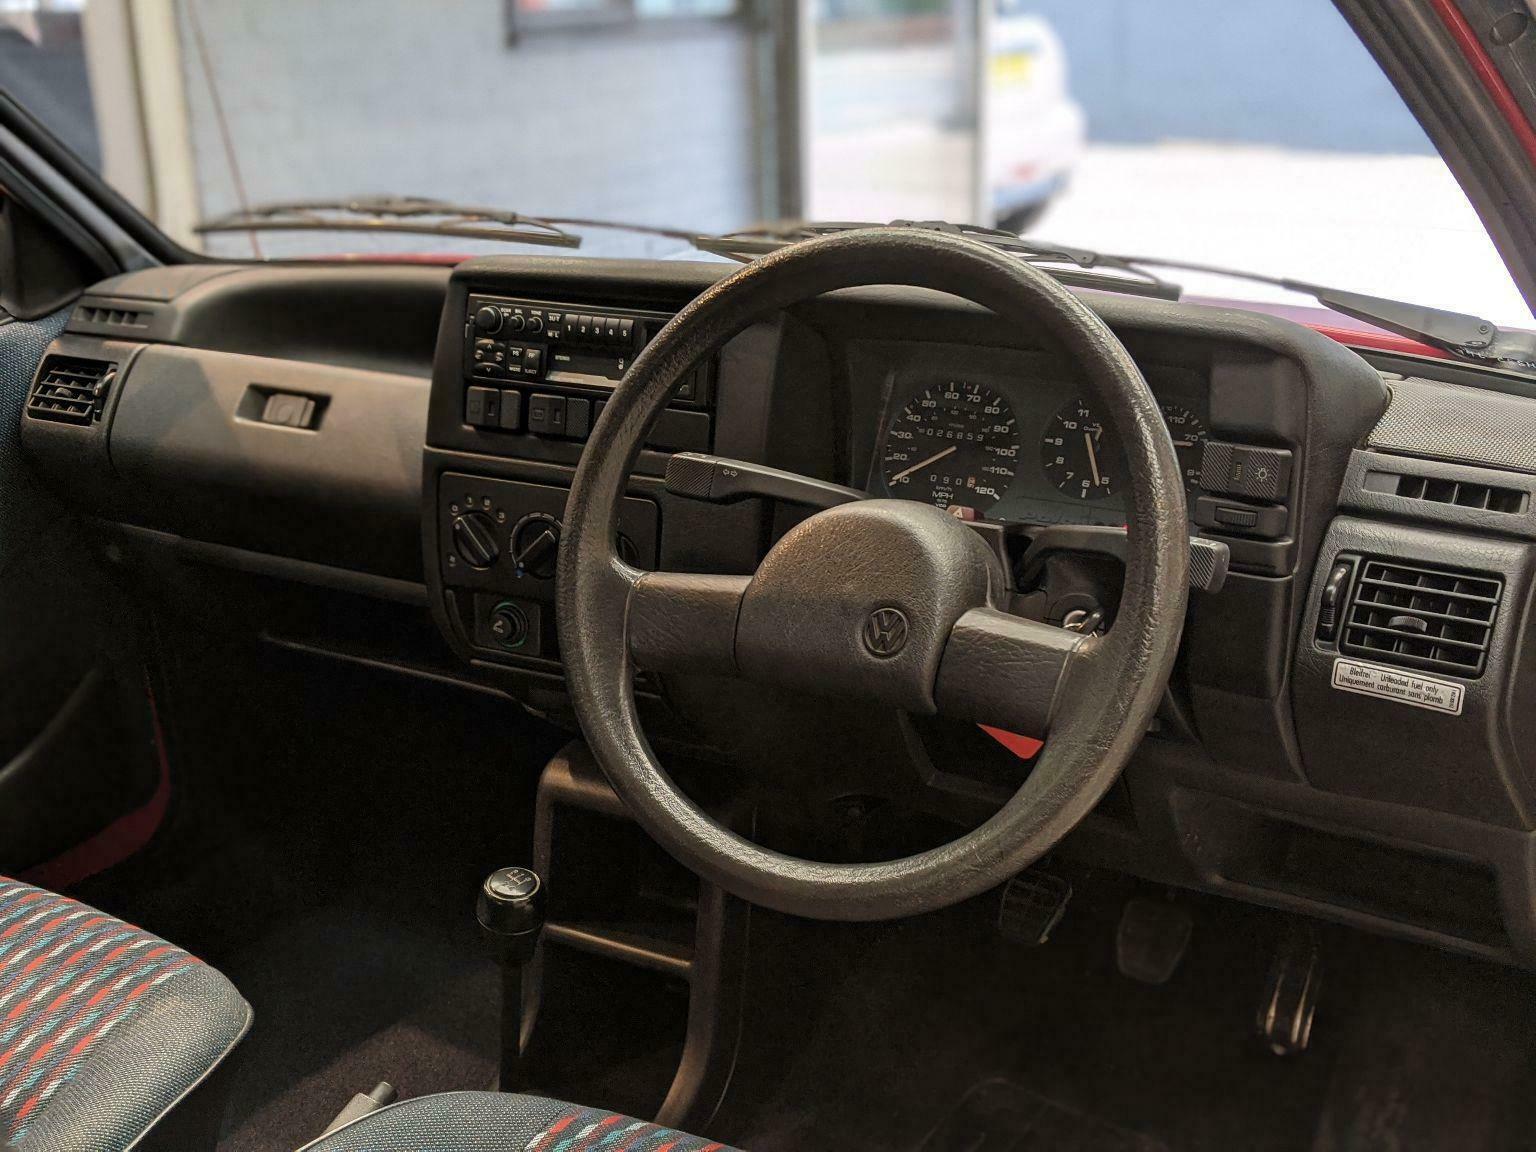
1106,690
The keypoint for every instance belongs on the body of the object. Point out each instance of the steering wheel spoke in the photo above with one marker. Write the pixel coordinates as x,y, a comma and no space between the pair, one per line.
684,622
1006,671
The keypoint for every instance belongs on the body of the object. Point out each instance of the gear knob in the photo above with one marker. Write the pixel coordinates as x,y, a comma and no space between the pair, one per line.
511,913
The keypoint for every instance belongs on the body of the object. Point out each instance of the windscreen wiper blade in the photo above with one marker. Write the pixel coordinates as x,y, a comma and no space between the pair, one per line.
394,214
1097,270
1461,334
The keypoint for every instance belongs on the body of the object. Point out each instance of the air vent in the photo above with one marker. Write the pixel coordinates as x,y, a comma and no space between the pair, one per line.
71,389
1462,493
1422,617
115,317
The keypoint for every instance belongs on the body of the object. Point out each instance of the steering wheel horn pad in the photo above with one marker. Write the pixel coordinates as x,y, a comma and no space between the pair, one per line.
809,616
818,614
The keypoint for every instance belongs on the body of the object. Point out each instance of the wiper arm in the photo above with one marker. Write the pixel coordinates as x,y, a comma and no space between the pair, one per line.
750,243
394,214
1467,336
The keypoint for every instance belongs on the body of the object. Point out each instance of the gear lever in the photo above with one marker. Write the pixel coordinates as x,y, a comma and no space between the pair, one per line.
511,915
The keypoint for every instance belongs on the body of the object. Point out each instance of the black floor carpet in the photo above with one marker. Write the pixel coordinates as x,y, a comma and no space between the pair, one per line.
872,1037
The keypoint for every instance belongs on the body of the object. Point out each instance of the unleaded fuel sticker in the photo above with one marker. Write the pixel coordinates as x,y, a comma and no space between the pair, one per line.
1394,684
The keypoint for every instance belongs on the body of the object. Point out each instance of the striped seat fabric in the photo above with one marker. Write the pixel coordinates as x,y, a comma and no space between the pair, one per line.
103,1027
504,1122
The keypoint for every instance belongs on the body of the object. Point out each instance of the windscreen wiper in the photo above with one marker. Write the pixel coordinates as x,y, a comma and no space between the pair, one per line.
394,214
1467,336
1096,270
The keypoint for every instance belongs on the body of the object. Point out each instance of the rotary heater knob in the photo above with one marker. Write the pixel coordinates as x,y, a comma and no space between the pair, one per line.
474,539
536,545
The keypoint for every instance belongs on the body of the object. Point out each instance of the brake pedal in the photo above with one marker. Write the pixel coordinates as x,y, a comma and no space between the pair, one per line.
1290,994
1033,904
1151,939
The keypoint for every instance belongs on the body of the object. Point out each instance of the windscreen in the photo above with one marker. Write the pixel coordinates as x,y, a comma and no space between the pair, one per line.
1245,133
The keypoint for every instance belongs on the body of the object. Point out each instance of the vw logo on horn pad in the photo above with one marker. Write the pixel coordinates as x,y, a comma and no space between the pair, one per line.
885,632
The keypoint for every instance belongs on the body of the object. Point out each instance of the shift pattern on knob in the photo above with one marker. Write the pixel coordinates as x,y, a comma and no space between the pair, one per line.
511,902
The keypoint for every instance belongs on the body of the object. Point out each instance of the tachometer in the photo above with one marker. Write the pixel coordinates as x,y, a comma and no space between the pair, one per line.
1081,454
953,444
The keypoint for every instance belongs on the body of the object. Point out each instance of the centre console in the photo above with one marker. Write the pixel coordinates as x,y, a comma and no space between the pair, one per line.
524,369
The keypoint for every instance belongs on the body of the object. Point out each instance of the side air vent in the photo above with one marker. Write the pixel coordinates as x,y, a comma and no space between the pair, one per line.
1422,617
1461,493
115,317
71,389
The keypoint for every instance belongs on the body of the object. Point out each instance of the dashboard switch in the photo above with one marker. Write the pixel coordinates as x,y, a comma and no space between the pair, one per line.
1236,517
546,414
1243,470
1267,521
482,407
511,410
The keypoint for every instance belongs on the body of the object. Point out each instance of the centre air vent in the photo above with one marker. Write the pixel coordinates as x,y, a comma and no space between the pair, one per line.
112,317
1419,616
71,389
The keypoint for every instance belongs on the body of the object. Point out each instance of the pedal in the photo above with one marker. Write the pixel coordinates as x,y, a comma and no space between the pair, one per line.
1033,904
1151,939
382,1096
1290,994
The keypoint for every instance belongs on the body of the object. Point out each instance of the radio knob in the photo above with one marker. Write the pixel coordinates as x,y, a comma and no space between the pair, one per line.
515,321
474,539
535,323
488,320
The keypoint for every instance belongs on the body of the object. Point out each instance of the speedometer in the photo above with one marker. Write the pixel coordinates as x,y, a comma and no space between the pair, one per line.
955,444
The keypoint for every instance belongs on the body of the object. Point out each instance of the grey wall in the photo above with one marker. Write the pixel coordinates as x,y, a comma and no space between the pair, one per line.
1284,72
340,97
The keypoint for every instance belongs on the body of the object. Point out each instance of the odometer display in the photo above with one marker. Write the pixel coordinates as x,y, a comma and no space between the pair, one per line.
953,445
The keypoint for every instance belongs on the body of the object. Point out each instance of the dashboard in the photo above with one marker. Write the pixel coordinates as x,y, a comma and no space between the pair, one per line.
374,463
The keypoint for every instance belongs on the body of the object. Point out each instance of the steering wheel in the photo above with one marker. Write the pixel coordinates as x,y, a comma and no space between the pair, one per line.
881,600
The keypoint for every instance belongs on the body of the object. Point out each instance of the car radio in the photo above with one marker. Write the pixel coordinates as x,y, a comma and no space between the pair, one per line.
546,369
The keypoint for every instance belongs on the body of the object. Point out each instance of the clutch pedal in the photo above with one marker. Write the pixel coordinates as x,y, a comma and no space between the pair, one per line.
1033,904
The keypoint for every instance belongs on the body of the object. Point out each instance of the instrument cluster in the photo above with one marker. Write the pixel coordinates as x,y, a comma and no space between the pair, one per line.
1026,445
